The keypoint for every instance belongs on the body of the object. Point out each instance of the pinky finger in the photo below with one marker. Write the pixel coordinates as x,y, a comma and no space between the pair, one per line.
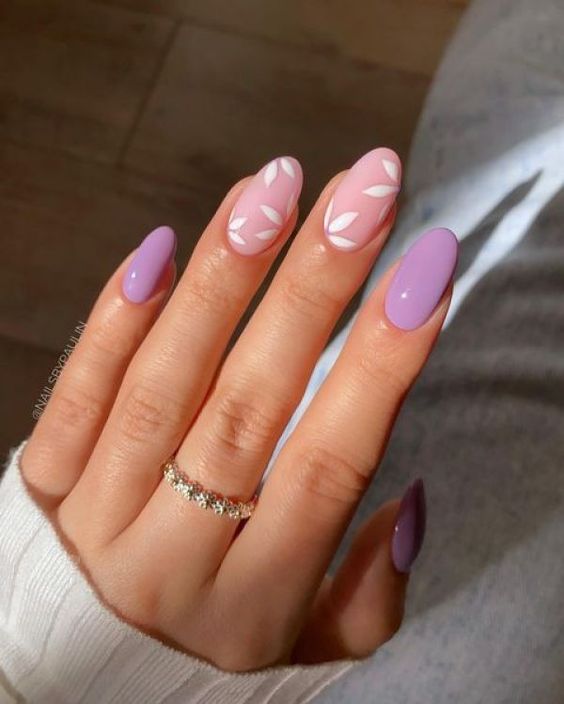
362,607
68,429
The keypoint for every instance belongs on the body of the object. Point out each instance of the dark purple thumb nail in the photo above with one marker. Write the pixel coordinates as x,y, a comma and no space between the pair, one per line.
409,530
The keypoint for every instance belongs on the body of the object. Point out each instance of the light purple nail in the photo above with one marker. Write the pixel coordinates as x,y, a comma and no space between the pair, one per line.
409,530
421,279
148,265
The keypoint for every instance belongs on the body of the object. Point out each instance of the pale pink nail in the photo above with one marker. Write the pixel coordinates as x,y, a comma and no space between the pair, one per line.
363,199
265,206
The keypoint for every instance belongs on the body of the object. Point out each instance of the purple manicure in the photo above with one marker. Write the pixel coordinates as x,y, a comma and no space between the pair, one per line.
409,530
148,265
421,279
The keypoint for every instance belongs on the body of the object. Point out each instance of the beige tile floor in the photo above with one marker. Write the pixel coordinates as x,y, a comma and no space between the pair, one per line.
118,115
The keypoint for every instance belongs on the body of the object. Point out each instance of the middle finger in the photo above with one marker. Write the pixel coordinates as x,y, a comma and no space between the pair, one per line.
265,374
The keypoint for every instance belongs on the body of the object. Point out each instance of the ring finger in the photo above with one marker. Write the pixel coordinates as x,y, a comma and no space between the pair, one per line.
169,376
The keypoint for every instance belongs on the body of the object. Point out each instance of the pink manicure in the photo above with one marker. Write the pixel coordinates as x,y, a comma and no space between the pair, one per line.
363,199
265,206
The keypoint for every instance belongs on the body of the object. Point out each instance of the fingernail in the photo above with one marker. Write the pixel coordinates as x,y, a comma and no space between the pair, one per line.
265,206
148,265
421,279
409,530
363,199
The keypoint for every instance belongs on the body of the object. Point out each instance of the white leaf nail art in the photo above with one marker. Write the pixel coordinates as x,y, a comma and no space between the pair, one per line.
237,224
231,213
342,242
380,191
328,214
342,221
392,169
270,173
266,234
273,215
236,237
287,166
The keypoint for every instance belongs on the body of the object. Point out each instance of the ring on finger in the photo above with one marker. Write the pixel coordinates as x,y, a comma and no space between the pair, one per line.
206,498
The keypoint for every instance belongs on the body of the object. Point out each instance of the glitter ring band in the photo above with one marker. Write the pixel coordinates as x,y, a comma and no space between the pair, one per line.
204,498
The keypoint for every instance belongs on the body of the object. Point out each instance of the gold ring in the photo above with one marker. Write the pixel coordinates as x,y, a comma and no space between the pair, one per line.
204,498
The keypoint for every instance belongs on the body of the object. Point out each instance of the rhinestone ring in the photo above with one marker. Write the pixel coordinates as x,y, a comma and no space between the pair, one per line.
204,498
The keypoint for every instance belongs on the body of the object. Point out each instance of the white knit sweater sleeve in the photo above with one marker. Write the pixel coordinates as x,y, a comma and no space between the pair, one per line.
60,645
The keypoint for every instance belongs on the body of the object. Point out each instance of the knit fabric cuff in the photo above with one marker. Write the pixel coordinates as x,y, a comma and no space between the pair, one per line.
60,644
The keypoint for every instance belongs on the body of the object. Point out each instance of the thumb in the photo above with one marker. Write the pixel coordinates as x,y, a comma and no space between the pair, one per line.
362,606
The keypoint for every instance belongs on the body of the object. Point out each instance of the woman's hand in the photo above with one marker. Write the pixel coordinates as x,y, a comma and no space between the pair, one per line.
149,378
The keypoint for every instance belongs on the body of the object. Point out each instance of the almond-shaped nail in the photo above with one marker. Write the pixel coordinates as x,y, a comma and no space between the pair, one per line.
363,199
422,277
409,530
265,206
151,259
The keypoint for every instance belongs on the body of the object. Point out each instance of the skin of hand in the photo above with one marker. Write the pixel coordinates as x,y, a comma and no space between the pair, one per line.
150,377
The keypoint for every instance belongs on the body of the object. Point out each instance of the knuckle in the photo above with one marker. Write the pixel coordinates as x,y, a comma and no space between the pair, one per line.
108,339
146,413
74,407
208,290
381,373
206,297
244,425
70,413
304,295
329,478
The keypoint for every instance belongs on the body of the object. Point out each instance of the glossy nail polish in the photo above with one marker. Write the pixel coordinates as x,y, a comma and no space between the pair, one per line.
409,530
363,199
421,279
151,259
265,206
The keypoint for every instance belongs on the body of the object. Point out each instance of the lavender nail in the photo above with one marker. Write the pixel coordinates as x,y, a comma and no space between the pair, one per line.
421,279
409,530
148,265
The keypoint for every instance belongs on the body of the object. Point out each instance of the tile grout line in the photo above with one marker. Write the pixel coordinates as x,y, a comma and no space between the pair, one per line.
326,50
320,49
148,93
62,154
